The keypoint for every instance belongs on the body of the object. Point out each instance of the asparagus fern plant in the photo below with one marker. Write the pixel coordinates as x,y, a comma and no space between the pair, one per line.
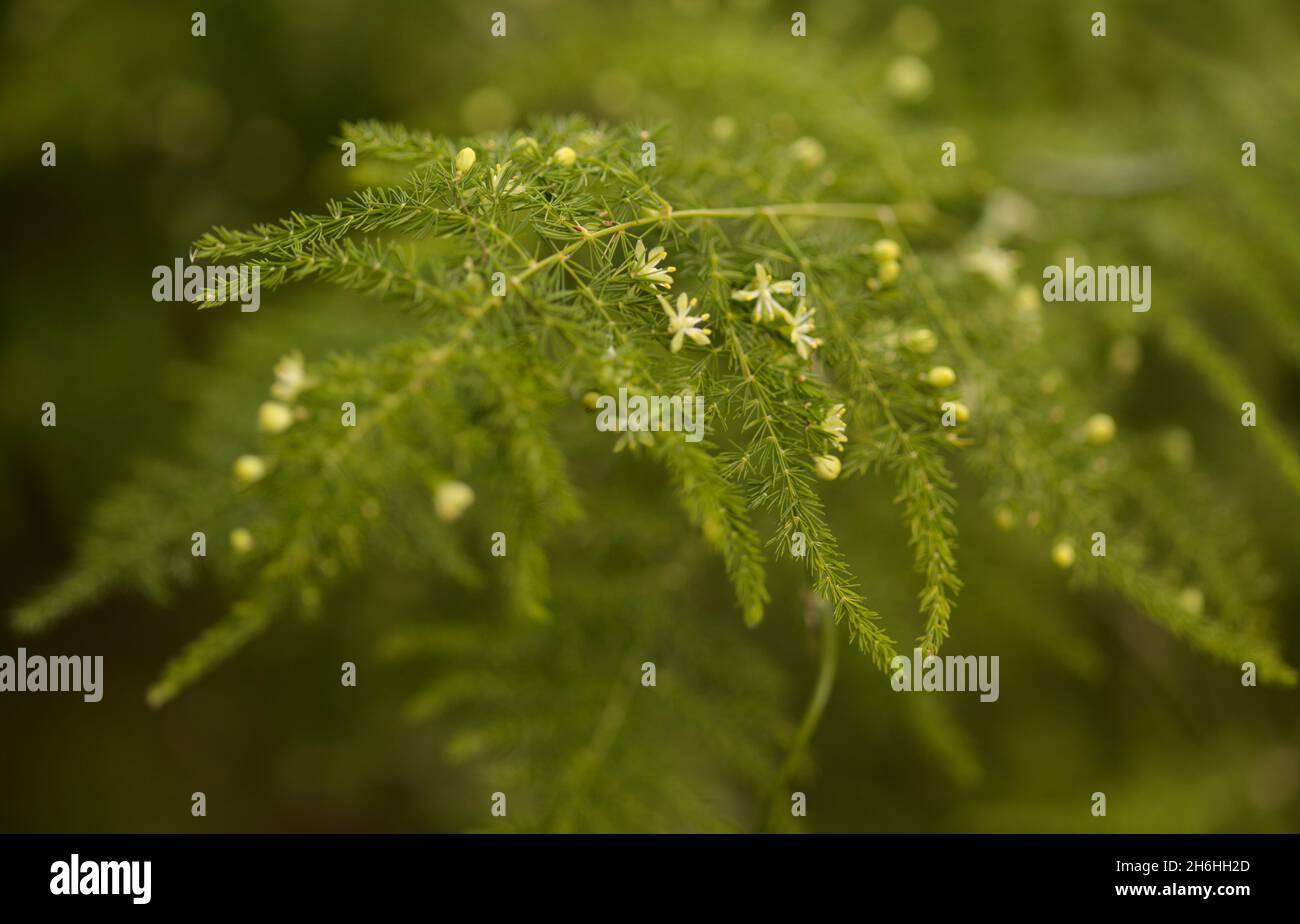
831,337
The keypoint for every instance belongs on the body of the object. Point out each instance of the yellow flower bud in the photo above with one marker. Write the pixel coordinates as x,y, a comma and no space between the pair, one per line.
1004,519
941,377
565,156
1100,429
809,152
451,499
591,400
1192,600
827,467
885,250
274,417
909,79
921,341
889,271
1063,553
960,412
465,160
241,540
250,469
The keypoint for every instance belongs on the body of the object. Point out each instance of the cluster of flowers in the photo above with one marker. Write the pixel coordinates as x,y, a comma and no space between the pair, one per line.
684,324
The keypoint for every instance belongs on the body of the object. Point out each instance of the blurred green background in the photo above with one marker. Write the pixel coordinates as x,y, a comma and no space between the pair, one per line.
161,135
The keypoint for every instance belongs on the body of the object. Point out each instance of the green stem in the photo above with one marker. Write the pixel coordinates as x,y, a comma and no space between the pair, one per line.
855,210
812,715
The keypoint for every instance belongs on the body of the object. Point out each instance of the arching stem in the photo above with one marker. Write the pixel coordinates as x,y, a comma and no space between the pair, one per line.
830,650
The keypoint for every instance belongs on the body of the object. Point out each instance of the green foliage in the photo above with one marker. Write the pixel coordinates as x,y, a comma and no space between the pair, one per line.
556,715
467,394
485,389
527,665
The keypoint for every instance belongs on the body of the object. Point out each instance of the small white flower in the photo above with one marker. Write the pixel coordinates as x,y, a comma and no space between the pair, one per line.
514,186
833,424
683,324
996,265
647,268
631,437
801,327
290,377
763,293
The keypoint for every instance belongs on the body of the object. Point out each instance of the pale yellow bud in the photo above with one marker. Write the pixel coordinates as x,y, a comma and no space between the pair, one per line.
909,79
1004,519
827,467
465,160
1100,429
591,400
809,152
451,499
241,540
889,272
250,469
941,377
1192,600
1063,553
565,156
886,249
921,341
274,417
960,412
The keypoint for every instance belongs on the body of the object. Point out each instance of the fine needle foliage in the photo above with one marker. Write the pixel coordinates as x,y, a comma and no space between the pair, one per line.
831,338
